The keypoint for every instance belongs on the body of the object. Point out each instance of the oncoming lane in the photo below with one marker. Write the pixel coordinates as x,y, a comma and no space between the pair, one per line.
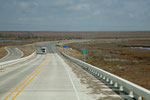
13,53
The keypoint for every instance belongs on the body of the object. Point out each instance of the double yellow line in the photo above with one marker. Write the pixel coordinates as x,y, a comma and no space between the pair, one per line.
29,79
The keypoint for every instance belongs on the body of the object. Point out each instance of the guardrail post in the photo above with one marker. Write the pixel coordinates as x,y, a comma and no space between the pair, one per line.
95,73
116,84
104,78
111,82
131,94
107,80
121,88
89,69
140,98
98,74
101,76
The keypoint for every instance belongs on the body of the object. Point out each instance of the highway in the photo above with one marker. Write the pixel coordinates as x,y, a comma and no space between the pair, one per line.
51,77
13,53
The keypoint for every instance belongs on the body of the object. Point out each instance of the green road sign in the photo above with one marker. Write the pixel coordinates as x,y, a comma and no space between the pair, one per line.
84,52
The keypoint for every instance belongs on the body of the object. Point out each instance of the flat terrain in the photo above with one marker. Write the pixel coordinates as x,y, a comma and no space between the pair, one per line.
15,43
117,56
45,35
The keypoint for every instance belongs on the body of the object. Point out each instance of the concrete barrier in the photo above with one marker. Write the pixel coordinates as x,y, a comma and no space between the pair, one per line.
4,64
133,90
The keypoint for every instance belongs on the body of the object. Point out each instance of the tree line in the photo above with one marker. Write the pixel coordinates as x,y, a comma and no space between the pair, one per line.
21,36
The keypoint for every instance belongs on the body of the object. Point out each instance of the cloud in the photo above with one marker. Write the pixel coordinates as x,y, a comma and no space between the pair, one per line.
97,12
35,4
61,13
62,2
79,7
24,4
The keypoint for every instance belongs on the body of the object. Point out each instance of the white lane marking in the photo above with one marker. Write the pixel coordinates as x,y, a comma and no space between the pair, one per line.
21,52
11,53
64,64
8,52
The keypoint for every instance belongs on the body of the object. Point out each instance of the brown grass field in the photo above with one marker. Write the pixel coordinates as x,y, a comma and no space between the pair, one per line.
3,52
72,35
114,56
27,49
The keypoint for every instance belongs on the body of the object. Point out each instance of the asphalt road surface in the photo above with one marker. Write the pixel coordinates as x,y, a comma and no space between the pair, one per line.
13,53
50,77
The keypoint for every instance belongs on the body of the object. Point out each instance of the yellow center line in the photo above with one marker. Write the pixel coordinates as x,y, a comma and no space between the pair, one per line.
29,81
37,71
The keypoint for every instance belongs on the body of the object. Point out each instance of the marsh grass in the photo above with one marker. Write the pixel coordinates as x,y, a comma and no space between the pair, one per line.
114,57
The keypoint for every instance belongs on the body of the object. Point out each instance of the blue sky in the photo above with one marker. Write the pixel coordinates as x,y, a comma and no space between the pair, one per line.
74,15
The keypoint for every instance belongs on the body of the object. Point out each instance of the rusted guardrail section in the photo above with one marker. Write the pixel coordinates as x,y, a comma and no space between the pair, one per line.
4,64
133,90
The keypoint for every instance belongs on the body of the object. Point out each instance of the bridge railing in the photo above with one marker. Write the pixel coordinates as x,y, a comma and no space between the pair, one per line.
11,62
133,90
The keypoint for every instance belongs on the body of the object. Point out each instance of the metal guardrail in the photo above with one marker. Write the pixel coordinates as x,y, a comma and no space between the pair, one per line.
4,64
133,90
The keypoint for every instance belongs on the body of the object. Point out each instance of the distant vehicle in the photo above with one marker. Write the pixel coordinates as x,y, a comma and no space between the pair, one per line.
43,49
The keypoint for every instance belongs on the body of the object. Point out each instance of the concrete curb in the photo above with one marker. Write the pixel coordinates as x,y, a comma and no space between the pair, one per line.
4,64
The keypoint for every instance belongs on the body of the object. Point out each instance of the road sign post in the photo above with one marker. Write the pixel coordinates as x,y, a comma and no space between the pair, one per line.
84,53
70,49
64,47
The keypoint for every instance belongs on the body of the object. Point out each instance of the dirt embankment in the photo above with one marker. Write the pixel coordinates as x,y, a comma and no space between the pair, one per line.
3,52
27,49
117,57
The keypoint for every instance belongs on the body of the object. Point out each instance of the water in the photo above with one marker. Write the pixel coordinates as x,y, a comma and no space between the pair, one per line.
9,40
146,48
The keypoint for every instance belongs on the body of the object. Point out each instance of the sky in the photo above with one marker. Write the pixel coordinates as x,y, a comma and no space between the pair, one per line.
74,15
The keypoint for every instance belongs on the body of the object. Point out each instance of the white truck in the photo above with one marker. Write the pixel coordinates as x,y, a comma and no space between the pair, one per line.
43,49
